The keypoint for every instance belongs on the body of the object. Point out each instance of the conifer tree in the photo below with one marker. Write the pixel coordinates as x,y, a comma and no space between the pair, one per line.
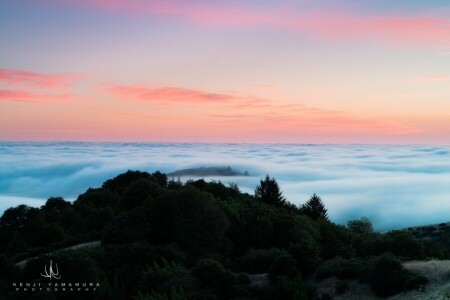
314,208
269,192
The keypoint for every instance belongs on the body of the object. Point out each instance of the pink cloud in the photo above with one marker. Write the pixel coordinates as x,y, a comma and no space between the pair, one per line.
41,80
328,24
297,117
253,112
28,96
167,94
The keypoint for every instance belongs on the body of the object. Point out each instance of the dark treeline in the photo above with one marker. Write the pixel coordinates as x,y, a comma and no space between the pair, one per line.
167,240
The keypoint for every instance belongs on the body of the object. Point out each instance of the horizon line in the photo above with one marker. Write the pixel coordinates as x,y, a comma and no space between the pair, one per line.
220,143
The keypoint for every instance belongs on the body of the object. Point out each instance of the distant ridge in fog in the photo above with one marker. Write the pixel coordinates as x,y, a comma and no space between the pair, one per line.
208,171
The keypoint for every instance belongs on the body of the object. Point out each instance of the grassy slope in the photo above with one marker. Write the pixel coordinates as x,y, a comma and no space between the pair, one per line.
436,271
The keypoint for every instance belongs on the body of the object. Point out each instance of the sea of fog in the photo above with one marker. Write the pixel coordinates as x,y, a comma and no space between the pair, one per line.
395,186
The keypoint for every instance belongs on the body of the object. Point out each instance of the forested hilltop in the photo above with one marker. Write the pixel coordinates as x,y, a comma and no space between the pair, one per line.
168,240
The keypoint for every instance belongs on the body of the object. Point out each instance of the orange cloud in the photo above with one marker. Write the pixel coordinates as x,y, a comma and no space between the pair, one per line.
240,113
40,80
302,119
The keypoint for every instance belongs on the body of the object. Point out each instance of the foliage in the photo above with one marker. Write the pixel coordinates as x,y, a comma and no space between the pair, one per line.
213,276
362,225
291,289
307,256
197,240
173,295
257,261
341,268
138,193
97,198
388,276
283,265
314,208
269,192
162,278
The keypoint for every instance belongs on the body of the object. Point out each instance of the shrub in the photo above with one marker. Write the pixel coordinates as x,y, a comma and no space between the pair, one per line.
257,261
387,276
363,225
96,198
119,183
291,289
400,243
212,275
307,257
341,268
161,278
283,265
138,193
174,294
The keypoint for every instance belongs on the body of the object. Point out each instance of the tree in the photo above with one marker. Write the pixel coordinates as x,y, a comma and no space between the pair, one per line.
138,194
362,225
269,192
314,208
96,198
119,183
160,179
55,205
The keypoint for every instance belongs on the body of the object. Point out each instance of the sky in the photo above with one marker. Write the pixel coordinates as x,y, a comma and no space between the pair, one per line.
306,71
394,185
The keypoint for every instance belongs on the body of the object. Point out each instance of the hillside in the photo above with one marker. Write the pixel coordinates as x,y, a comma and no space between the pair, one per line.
207,171
152,238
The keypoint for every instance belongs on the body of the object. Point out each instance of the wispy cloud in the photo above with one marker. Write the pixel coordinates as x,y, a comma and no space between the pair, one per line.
29,96
430,78
166,94
250,112
29,78
30,86
436,78
317,22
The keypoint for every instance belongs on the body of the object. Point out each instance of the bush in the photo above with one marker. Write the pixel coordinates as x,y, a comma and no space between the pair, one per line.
283,265
212,275
341,268
96,198
257,261
161,278
291,289
307,257
174,294
191,220
363,225
138,194
401,244
387,276
132,226
119,183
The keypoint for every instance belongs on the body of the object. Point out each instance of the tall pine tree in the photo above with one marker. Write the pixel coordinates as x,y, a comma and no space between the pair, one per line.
314,208
269,192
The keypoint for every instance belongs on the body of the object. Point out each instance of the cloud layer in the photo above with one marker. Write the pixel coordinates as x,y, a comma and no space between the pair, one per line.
395,186
332,20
